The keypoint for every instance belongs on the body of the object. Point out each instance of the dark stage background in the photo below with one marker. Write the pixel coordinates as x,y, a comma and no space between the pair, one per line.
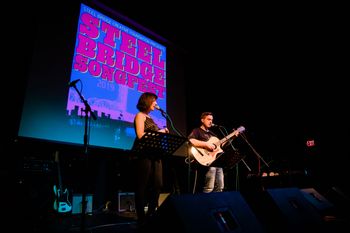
280,73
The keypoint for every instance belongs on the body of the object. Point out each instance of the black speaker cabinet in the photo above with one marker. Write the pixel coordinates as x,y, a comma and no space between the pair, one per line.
317,199
289,211
205,213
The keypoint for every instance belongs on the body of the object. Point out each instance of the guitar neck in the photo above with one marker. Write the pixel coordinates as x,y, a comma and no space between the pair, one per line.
228,137
231,135
58,170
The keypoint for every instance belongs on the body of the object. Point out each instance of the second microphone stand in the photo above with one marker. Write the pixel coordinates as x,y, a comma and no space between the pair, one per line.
87,112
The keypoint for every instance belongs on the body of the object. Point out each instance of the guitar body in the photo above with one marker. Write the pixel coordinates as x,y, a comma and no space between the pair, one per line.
61,203
205,157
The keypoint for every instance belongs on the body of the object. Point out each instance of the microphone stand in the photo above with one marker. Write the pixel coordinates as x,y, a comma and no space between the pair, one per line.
249,169
233,148
260,158
88,112
166,116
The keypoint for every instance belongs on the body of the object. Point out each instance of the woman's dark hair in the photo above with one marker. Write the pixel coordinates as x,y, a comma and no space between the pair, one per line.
146,100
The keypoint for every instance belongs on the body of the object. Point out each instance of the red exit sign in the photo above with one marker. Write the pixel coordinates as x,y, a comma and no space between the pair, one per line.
310,143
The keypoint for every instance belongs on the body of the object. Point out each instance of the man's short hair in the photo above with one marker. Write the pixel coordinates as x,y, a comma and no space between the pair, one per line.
204,114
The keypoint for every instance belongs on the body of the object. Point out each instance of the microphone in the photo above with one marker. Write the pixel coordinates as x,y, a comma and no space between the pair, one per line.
158,108
70,84
215,125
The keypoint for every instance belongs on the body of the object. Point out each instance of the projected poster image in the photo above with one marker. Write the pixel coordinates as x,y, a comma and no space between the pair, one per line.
112,65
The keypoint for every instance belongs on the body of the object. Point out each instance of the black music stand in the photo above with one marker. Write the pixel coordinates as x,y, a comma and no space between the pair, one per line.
158,144
228,159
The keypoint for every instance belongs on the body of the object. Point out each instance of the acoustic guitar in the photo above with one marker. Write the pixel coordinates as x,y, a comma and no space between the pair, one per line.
206,157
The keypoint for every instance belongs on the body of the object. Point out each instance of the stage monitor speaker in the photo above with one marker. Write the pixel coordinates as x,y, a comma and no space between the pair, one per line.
316,199
292,212
205,213
126,201
77,203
